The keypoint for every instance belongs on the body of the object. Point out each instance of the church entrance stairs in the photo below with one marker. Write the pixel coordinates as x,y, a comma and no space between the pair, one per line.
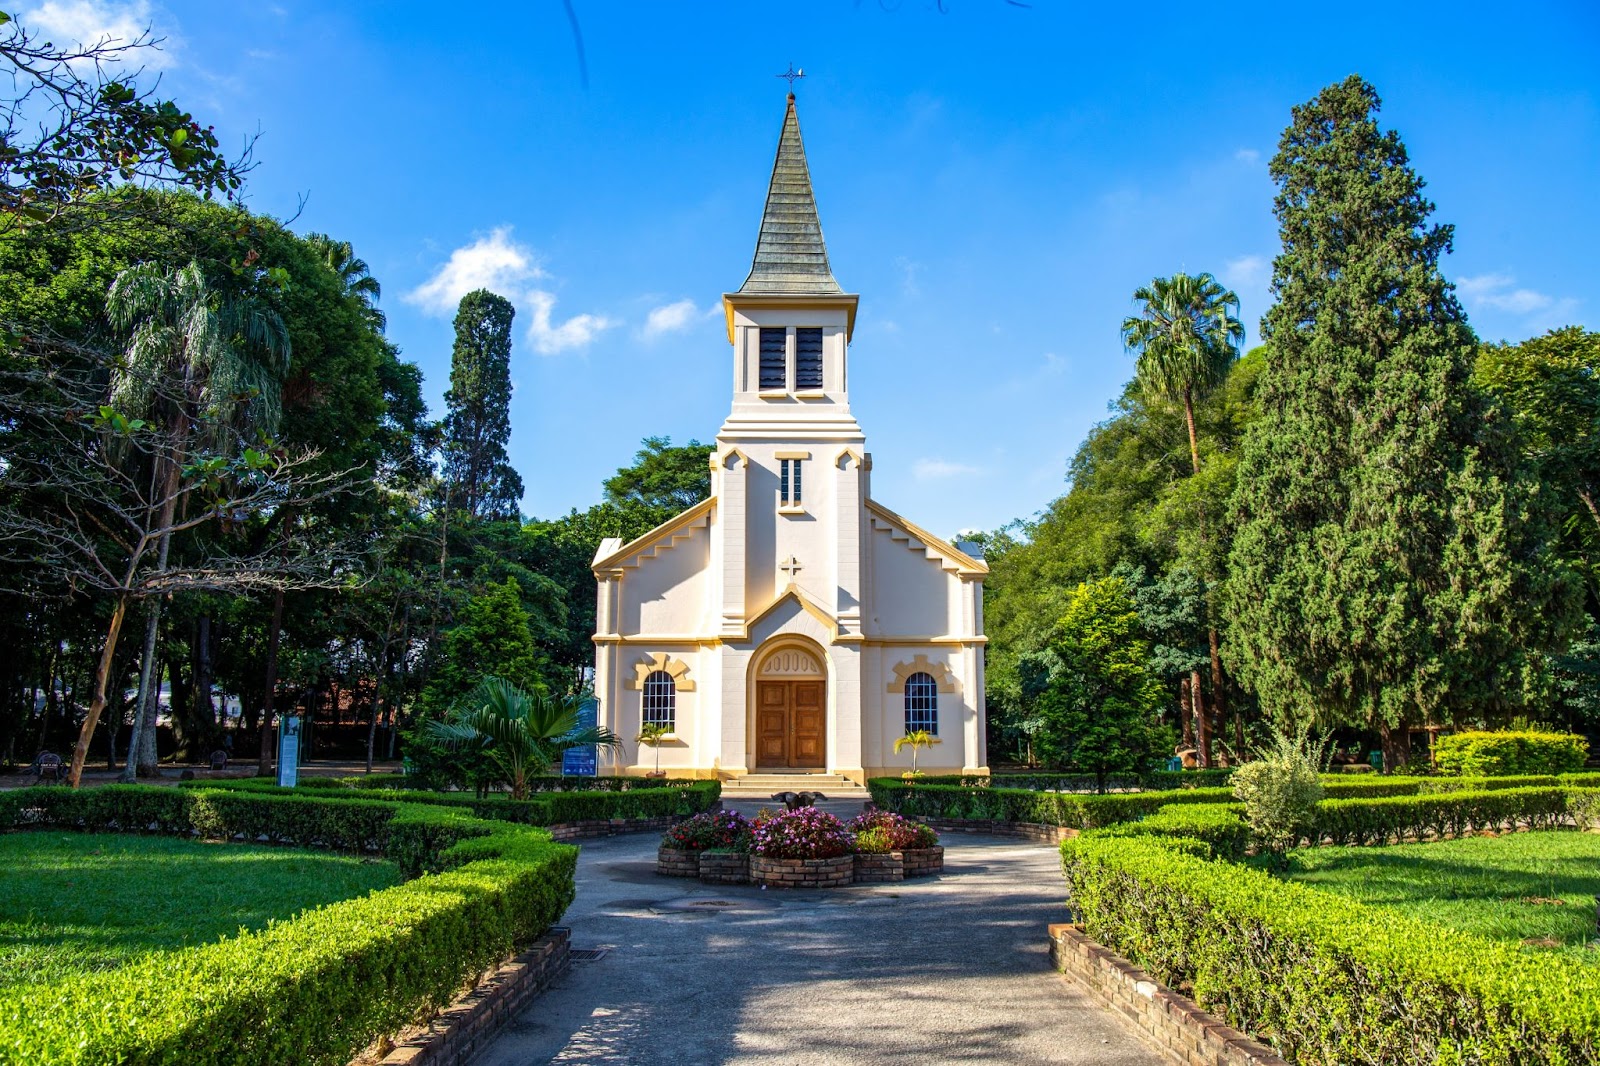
763,785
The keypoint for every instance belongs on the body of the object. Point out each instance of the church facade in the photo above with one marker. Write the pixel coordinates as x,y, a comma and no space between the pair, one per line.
790,622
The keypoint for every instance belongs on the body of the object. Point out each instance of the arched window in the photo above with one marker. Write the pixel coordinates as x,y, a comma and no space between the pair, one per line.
922,704
661,700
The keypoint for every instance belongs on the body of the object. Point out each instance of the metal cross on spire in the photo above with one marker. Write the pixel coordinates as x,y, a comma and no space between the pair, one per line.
793,75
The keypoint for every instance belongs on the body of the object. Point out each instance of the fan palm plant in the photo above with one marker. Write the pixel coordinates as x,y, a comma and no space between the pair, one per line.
522,733
1187,337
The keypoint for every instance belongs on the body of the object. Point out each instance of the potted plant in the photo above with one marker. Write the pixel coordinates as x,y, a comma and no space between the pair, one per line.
916,740
653,735
804,848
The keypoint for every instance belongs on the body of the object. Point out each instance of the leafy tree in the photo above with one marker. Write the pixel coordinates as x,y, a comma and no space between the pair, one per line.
1100,697
1387,565
492,638
663,477
355,277
477,422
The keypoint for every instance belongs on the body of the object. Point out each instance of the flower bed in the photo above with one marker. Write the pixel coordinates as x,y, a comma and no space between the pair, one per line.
677,862
720,867
315,989
806,848
835,872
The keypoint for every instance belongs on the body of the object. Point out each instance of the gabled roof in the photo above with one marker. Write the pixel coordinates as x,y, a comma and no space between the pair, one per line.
610,555
791,257
957,559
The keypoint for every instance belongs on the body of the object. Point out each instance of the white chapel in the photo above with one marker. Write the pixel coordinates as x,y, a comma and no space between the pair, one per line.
790,623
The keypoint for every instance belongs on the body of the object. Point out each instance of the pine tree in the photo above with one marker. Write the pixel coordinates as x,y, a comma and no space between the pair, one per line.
481,480
1387,567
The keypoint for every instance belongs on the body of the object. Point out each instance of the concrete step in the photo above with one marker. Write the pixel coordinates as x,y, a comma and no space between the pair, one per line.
762,786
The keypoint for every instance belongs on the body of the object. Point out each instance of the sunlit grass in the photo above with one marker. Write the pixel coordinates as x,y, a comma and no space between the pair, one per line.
71,902
1533,888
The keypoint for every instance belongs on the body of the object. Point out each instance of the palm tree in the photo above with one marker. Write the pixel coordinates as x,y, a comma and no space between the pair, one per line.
203,363
1187,337
355,277
522,733
916,740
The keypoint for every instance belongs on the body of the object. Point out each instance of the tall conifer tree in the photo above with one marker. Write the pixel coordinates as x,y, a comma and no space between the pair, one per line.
478,423
1388,568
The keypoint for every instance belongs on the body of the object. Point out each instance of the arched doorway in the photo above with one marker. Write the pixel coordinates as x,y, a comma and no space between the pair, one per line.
791,709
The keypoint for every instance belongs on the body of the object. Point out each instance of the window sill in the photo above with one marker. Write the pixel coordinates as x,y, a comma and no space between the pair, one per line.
810,394
791,510
773,394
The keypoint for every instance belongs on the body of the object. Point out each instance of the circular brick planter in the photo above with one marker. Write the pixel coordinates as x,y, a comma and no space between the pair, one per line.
724,867
919,862
677,862
876,869
803,873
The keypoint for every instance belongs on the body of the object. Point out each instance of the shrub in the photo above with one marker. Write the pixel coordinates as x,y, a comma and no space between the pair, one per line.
1170,779
1280,790
1077,811
1583,804
1503,754
1369,787
803,834
898,833
711,829
1309,970
317,988
1395,818
691,798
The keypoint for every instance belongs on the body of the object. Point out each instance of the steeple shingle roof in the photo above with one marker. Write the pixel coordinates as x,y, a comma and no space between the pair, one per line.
790,254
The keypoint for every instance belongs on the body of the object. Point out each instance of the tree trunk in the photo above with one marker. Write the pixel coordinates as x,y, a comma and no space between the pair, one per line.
80,750
202,672
1588,501
1186,712
1202,726
1194,441
264,763
142,718
1396,743
1219,703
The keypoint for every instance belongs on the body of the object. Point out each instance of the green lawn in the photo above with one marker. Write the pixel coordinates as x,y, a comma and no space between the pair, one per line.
1520,887
86,901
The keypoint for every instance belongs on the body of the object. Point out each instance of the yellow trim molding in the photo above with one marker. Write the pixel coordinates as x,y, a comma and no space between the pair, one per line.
919,664
649,665
671,525
969,566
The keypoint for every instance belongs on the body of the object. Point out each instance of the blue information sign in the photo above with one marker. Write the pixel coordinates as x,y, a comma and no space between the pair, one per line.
583,762
288,750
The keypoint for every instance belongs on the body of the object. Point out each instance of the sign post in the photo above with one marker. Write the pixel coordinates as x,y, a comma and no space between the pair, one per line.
288,750
583,761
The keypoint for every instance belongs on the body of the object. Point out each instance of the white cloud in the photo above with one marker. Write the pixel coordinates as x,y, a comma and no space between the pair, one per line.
935,469
909,269
670,318
579,331
1495,291
1247,155
89,23
495,262
1247,272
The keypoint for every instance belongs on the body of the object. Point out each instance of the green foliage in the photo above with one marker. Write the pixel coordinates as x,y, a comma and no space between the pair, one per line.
1381,820
1503,754
1076,811
1310,971
663,478
1218,825
522,733
65,897
1389,565
1515,888
318,988
1280,789
477,422
1099,696
491,639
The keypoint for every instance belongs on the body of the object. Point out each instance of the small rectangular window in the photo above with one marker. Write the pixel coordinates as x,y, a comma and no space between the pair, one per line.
808,359
789,482
774,372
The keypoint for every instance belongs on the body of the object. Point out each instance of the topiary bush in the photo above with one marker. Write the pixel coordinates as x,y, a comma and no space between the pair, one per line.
1503,754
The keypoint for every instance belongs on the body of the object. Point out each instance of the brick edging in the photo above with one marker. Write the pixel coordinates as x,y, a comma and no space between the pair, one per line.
1173,1023
475,1017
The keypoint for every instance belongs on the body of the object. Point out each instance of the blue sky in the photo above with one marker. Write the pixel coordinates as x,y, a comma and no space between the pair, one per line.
993,180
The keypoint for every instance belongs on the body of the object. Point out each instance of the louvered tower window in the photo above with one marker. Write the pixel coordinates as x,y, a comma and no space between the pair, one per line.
789,482
808,359
773,358
661,700
922,704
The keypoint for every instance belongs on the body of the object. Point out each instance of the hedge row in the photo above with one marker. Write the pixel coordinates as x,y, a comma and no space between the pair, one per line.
1219,826
548,808
1327,979
549,783
1076,811
1393,819
316,988
1499,754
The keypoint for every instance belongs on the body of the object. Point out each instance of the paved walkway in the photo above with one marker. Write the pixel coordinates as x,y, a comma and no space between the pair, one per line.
946,969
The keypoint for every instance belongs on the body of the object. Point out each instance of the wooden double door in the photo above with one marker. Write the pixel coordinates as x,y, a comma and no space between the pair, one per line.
791,724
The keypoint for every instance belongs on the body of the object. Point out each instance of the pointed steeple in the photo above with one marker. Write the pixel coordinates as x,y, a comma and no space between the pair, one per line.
790,254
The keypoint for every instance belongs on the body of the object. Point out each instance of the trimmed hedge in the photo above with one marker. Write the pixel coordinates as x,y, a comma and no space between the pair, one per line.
1506,754
548,808
1396,818
1219,825
1171,779
1075,811
316,988
1327,979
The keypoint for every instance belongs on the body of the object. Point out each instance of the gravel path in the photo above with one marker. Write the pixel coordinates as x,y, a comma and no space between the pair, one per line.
945,969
